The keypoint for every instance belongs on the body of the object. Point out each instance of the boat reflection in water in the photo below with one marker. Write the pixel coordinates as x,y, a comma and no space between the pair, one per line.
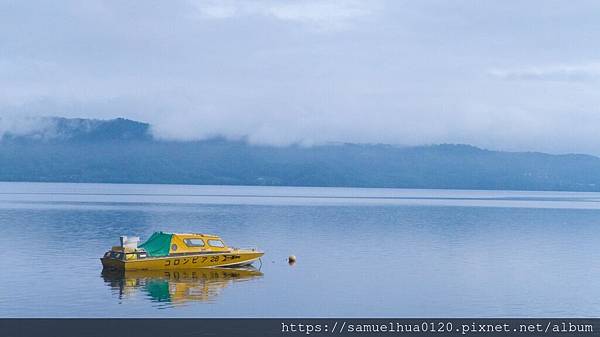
177,286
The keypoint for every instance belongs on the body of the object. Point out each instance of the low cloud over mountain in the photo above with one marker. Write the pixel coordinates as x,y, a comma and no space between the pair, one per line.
122,151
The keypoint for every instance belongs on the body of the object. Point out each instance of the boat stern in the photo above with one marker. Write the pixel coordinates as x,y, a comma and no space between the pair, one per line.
112,261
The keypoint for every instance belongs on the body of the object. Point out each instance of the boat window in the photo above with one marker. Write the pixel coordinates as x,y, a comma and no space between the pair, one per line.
194,242
216,243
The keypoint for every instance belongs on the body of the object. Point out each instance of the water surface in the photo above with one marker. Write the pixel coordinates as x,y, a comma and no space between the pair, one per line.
361,252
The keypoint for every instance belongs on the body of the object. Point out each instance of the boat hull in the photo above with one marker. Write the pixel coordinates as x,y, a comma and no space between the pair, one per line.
181,262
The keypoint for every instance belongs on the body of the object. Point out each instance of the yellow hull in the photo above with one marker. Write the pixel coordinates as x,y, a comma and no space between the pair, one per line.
182,262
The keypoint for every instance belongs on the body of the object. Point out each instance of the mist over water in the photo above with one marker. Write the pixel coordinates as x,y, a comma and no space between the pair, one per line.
361,252
382,71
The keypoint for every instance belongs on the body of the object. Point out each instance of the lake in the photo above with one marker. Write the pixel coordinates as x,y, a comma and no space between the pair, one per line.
361,252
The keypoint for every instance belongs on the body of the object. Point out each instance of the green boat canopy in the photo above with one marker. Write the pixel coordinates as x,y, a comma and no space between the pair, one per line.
158,244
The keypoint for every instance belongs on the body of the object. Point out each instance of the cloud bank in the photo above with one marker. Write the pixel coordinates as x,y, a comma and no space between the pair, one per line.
36,127
506,75
323,15
565,72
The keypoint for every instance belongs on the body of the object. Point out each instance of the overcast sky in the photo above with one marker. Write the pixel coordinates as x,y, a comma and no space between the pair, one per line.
513,75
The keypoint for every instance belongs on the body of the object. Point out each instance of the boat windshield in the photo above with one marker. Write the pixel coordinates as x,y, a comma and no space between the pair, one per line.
216,243
194,242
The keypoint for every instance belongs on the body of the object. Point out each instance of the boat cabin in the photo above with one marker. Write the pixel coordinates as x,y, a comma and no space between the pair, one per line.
162,244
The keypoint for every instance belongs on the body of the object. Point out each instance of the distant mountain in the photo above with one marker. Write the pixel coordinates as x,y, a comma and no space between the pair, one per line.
123,151
53,129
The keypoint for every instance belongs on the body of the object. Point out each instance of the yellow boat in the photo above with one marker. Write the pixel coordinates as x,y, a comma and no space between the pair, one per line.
174,251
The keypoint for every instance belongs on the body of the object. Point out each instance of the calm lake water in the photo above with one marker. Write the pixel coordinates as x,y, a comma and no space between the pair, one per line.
361,252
